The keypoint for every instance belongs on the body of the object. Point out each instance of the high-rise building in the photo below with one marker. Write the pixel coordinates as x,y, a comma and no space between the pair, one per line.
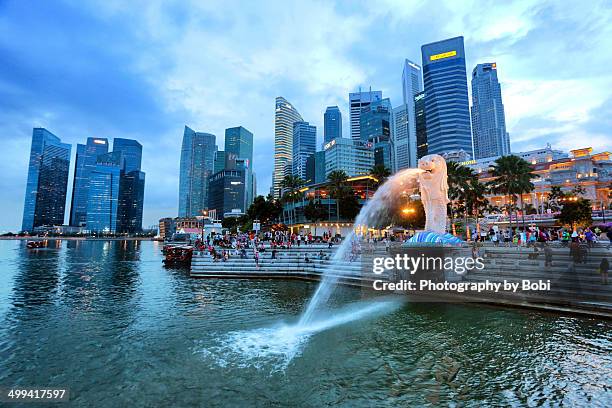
403,142
86,158
488,118
284,118
131,151
115,196
45,196
412,83
103,214
315,168
375,131
421,125
131,201
353,158
239,141
403,121
227,188
332,124
219,161
358,101
447,112
197,164
304,145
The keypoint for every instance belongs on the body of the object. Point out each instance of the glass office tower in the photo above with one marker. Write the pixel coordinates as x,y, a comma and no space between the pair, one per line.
447,112
86,157
103,215
132,153
304,145
488,118
239,142
45,197
421,124
375,131
357,102
332,124
197,164
284,118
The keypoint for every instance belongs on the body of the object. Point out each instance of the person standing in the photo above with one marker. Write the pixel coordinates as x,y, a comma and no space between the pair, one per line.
548,254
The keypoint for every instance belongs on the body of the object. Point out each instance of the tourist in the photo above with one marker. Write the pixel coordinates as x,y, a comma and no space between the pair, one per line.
604,266
575,253
273,254
590,237
609,235
256,256
494,238
321,255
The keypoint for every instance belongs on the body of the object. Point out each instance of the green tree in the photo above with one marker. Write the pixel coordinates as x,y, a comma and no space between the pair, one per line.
460,179
380,173
266,210
576,212
512,175
338,188
315,211
475,201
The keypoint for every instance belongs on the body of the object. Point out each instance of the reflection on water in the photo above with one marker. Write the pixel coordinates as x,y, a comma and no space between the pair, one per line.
108,321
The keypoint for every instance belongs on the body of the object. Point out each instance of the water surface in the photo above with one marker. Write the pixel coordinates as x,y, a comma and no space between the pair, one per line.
108,321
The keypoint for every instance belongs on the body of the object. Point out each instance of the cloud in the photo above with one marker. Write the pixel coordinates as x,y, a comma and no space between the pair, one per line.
144,69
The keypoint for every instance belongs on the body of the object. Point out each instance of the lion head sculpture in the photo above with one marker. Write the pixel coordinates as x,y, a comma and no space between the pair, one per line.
433,179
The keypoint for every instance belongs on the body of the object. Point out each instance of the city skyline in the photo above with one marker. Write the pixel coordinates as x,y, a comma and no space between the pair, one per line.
125,102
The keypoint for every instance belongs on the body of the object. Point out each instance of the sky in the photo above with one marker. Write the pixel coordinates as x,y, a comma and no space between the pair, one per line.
145,69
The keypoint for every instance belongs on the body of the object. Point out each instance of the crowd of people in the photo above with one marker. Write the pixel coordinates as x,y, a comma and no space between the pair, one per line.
532,235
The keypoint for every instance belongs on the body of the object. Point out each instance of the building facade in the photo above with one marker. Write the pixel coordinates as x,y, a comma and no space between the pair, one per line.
332,124
131,151
45,196
421,125
103,213
358,101
197,164
304,145
447,112
227,193
375,130
86,158
239,141
315,168
403,121
488,117
353,158
284,118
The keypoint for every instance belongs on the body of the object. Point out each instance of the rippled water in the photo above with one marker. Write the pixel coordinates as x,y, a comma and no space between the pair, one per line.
108,321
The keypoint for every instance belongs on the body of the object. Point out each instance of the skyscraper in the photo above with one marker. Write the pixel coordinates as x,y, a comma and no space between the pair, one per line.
411,81
403,121
358,101
447,112
197,164
239,141
351,157
45,197
227,188
421,125
315,168
103,200
332,123
284,118
304,145
488,118
375,131
403,142
131,151
86,158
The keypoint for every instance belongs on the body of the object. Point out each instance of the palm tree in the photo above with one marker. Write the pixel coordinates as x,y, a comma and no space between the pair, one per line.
380,173
460,179
512,175
337,187
292,186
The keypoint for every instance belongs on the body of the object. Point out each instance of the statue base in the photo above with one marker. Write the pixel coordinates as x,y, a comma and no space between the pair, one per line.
430,238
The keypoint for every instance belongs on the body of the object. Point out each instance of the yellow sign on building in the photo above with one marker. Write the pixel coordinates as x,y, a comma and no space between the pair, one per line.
443,55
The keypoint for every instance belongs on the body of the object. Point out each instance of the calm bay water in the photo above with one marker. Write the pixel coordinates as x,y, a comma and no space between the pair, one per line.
106,320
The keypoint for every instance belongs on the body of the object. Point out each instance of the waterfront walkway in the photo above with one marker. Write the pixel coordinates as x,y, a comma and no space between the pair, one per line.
575,288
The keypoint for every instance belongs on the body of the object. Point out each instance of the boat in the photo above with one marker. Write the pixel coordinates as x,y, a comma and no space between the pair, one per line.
177,254
35,244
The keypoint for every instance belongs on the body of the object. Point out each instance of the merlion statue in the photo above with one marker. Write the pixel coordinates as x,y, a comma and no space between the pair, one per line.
433,186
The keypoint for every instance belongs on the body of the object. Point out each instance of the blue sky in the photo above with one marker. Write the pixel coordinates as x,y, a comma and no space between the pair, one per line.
144,69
